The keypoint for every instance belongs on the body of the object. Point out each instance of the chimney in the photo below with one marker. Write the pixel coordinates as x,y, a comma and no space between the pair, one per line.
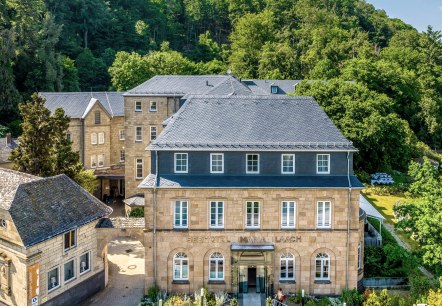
8,139
207,82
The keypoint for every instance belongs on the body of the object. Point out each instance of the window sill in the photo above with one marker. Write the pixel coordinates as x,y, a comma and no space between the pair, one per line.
216,228
324,228
216,282
181,229
180,282
324,282
252,229
288,228
287,281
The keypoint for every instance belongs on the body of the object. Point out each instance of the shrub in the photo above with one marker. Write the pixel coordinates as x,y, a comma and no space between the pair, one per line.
152,293
352,297
233,302
174,301
137,212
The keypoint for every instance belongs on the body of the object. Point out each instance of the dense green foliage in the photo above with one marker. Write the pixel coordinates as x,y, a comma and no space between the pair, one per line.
396,72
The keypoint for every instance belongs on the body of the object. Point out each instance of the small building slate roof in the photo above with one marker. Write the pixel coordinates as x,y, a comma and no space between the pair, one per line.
76,104
271,122
135,200
260,87
42,208
225,181
177,85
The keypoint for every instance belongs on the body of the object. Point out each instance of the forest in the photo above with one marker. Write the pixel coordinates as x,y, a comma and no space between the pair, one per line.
379,79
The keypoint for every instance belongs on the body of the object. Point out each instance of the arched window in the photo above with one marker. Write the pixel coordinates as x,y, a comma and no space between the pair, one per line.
216,266
287,266
180,267
322,267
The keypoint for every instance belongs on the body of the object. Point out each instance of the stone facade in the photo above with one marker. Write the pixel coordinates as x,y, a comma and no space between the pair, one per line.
305,241
166,107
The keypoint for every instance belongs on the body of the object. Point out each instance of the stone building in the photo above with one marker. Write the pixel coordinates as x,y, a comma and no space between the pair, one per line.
48,245
250,193
7,144
97,132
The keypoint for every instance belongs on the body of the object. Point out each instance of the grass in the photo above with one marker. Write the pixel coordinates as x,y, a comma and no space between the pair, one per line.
384,204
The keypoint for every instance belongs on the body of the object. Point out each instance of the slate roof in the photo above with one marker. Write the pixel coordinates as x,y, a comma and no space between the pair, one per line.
75,104
42,208
225,181
237,123
177,85
5,148
230,86
260,87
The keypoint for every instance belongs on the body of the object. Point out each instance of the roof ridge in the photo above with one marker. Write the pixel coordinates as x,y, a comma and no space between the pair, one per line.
35,177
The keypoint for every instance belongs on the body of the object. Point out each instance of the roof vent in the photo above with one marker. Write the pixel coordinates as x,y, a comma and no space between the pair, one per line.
207,82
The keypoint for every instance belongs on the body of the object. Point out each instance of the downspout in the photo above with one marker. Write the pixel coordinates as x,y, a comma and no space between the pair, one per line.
82,142
154,200
348,220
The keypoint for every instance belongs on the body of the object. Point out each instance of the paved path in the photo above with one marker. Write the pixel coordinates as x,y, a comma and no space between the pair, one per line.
126,275
390,228
251,299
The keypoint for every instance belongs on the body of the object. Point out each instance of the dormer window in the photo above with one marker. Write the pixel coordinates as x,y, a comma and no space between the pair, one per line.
181,163
323,163
252,165
153,106
274,89
70,240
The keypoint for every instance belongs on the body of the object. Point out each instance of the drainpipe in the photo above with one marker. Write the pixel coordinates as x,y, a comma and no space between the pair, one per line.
348,220
82,142
154,202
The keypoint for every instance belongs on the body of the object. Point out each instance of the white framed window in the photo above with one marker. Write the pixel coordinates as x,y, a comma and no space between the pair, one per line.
216,163
138,107
216,267
323,163
287,266
252,214
274,89
181,162
97,117
322,267
288,214
252,164
100,158
94,138
69,271
323,214
153,106
216,214
288,163
69,136
359,255
138,133
180,266
181,215
122,156
85,263
101,138
122,134
153,133
70,240
139,168
53,279
93,161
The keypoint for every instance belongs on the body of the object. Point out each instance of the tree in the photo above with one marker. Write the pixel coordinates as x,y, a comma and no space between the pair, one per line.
91,70
87,180
425,178
70,80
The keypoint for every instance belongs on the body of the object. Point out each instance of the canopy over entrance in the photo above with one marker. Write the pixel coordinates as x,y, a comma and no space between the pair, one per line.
369,209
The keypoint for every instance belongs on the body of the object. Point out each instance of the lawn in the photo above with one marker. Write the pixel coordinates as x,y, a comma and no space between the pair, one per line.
384,204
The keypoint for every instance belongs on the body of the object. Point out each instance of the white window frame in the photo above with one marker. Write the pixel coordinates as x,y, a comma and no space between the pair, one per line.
321,221
75,239
3,223
94,161
247,163
139,161
175,159
282,163
122,134
328,164
253,224
100,160
101,138
138,106
89,263
94,138
212,161
122,156
273,89
215,259
180,260
219,220
153,106
153,129
73,270
284,260
58,276
286,223
324,266
181,216
140,139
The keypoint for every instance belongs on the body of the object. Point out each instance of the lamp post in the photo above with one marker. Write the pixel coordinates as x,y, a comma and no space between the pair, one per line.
302,300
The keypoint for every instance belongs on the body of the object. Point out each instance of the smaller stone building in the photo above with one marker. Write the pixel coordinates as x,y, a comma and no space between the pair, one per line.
48,241
7,144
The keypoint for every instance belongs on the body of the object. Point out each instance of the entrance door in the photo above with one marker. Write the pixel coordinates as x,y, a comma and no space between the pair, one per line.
251,279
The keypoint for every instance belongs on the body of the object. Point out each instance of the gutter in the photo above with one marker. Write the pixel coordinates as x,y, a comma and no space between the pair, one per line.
347,250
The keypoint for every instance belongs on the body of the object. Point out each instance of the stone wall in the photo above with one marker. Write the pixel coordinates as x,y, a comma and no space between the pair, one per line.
76,136
166,107
116,145
304,242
